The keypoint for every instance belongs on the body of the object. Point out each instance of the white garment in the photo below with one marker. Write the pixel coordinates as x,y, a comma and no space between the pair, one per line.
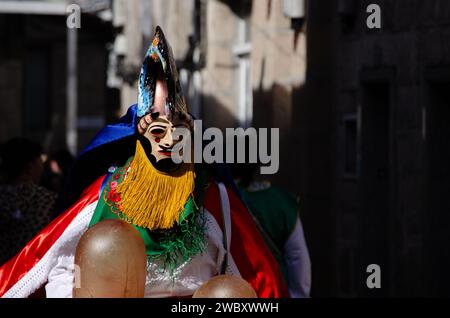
57,266
188,277
298,263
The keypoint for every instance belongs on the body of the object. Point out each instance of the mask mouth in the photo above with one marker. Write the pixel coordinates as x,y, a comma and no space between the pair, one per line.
165,165
165,151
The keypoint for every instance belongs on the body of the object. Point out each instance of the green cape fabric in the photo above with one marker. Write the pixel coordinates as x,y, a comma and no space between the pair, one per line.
276,211
172,246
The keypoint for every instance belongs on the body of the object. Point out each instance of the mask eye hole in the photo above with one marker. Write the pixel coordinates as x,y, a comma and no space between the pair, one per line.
157,131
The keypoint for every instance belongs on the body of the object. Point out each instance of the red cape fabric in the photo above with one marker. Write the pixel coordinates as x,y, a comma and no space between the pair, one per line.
253,258
250,253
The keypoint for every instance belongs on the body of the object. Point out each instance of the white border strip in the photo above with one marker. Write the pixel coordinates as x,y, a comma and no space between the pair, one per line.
214,228
33,7
225,204
37,276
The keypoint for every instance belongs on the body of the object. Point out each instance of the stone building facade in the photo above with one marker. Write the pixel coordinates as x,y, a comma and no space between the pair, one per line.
369,132
240,62
33,64
383,131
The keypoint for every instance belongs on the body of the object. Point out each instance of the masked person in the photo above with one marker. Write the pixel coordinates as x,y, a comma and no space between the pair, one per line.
192,222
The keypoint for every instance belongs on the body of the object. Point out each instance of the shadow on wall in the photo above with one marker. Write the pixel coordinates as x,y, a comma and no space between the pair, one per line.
271,110
311,138
301,171
215,114
303,117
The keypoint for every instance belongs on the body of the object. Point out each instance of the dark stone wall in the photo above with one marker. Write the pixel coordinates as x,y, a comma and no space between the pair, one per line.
395,80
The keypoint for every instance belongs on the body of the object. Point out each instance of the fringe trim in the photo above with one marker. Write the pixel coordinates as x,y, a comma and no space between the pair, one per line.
152,199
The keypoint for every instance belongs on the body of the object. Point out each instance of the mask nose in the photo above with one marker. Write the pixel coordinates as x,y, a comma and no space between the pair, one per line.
167,141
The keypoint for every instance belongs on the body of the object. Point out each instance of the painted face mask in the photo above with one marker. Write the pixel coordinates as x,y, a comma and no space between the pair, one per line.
161,105
153,190
162,134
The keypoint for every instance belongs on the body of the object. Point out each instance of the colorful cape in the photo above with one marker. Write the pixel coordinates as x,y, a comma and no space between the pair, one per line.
253,259
114,144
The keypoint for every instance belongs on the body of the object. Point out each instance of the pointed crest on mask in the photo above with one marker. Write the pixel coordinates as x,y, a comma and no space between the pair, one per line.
159,60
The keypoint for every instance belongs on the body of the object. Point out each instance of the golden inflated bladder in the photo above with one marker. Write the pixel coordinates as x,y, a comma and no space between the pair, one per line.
110,262
225,286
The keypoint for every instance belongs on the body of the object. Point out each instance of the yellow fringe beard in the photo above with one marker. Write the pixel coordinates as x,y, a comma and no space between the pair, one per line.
152,199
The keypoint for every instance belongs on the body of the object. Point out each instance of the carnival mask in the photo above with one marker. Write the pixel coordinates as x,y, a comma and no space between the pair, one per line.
162,134
161,106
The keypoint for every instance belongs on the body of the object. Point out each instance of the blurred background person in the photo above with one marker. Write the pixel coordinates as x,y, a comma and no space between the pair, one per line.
25,206
276,213
55,175
56,169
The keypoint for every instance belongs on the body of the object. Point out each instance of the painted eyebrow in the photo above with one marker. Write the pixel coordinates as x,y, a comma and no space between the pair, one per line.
158,126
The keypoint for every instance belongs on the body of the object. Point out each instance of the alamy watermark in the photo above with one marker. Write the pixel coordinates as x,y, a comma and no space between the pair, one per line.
240,145
374,19
73,16
374,279
76,275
